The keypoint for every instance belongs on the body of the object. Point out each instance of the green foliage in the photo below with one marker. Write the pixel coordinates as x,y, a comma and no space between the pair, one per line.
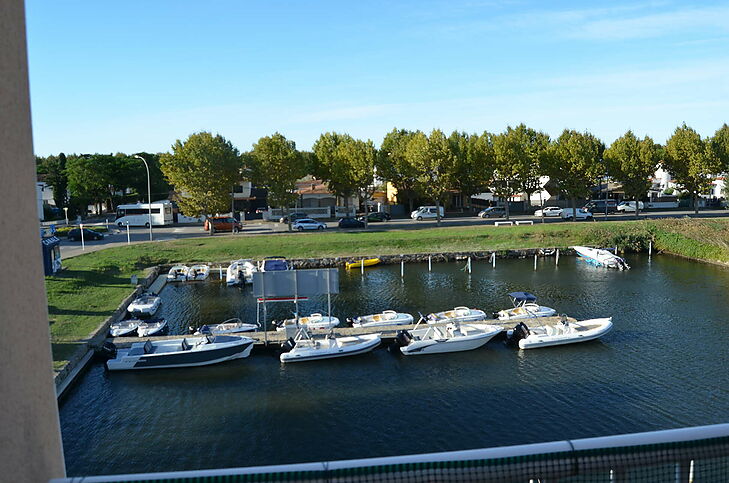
393,165
574,163
474,161
333,166
720,146
632,162
434,164
203,170
63,231
276,165
54,170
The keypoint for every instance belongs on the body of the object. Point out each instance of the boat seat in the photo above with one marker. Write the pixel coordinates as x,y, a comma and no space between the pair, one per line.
148,347
184,345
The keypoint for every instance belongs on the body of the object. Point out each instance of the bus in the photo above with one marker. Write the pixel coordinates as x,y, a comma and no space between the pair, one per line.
138,214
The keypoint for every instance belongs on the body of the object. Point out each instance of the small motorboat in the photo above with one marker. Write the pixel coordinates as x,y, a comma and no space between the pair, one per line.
124,328
306,347
177,273
367,262
151,327
273,264
459,314
525,307
601,258
230,326
198,272
312,322
454,337
563,333
146,305
387,317
240,272
187,352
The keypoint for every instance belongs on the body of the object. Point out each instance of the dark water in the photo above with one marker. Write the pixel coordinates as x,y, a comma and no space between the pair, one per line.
663,366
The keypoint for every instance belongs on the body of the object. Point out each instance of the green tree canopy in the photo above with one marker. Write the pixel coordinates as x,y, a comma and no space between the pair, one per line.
691,161
203,170
393,165
54,170
360,157
720,145
435,166
333,167
474,162
574,163
632,162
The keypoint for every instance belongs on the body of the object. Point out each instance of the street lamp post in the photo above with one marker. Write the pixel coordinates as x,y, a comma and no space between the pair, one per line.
149,194
65,212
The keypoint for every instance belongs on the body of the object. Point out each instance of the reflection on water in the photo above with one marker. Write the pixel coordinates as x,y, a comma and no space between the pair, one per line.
662,366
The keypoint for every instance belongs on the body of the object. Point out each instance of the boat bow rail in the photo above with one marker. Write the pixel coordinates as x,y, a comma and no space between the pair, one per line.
682,455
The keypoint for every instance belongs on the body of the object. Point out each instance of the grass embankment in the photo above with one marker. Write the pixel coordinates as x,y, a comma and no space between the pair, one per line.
93,285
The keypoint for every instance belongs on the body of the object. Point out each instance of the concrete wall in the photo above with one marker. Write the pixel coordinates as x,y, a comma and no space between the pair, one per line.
30,438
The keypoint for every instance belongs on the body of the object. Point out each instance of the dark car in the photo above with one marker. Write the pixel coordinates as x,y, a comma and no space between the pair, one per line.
294,216
75,234
351,223
223,223
376,216
598,206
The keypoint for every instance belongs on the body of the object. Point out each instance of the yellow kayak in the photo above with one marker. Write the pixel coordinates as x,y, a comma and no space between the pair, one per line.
368,262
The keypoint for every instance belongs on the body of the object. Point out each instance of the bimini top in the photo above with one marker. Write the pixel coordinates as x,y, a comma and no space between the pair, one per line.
523,296
274,264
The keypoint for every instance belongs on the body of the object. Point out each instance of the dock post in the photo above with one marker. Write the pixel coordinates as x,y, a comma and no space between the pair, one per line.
81,227
535,261
650,247
128,239
430,267
220,271
361,266
493,260
469,264
556,259
402,268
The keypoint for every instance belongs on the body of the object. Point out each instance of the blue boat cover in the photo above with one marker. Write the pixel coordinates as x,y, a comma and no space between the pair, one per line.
523,296
273,265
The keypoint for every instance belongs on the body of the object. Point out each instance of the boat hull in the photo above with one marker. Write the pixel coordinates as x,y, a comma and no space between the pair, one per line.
535,341
179,359
514,314
456,344
368,344
369,262
378,320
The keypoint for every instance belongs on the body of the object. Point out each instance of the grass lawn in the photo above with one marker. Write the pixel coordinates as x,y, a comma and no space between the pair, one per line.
93,285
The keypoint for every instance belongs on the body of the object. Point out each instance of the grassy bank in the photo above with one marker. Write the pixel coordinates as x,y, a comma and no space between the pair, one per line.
93,285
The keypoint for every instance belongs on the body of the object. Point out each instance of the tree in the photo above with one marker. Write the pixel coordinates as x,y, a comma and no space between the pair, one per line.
54,168
474,162
632,162
359,156
720,146
393,165
91,178
276,165
202,170
574,162
332,167
691,162
434,164
138,176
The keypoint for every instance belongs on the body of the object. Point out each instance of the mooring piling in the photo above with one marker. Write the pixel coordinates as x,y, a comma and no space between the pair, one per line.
535,261
556,258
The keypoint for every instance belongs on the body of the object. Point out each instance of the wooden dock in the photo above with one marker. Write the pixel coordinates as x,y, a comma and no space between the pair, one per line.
388,332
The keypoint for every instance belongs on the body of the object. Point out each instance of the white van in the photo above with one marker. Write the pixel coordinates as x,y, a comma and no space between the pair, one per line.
424,212
575,215
629,206
138,214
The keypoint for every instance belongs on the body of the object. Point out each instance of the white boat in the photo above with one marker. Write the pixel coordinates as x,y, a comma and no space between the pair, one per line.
305,347
151,327
387,317
525,307
454,337
240,272
563,333
124,328
602,258
459,314
177,273
187,352
273,264
147,305
312,322
198,272
230,326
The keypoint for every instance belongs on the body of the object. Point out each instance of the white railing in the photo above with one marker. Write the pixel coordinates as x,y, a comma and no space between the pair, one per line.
671,455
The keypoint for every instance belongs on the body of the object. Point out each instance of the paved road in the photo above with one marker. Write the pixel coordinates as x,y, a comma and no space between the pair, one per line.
118,237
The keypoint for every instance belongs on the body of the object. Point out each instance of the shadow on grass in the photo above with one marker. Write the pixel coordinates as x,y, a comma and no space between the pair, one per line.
62,352
53,310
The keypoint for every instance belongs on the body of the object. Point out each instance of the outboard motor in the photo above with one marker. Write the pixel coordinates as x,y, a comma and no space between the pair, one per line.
521,331
350,321
107,350
288,345
191,329
402,338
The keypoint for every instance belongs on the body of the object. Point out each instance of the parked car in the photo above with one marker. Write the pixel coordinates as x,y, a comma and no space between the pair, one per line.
548,211
294,216
629,206
424,212
376,216
493,212
351,223
223,223
307,224
598,206
578,214
75,234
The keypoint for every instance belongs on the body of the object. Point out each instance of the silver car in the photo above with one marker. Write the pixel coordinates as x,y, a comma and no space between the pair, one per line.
308,224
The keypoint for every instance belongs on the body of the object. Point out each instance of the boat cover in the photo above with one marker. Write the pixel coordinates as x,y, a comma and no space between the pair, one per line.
273,265
523,296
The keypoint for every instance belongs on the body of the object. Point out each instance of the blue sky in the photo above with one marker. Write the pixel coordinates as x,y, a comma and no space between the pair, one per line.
137,75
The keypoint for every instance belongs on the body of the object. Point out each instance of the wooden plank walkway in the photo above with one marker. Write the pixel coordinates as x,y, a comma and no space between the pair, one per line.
388,332
158,284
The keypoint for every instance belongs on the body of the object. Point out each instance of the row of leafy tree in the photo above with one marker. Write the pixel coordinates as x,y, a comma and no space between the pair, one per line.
419,165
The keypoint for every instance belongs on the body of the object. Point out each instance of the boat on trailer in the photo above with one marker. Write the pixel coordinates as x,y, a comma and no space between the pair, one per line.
601,257
240,272
525,307
124,328
306,347
177,273
312,322
198,272
459,314
564,332
386,317
148,328
454,337
147,305
230,326
188,352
